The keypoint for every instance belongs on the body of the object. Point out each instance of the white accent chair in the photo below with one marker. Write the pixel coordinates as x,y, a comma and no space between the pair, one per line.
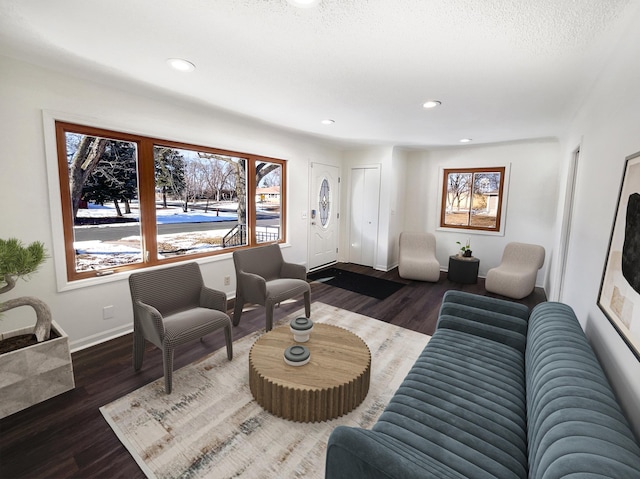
418,257
515,277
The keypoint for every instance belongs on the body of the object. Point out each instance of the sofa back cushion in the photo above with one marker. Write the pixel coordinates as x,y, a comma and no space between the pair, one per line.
575,425
170,290
265,261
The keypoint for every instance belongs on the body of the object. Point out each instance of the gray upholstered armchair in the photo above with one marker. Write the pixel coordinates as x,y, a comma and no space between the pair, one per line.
263,277
171,306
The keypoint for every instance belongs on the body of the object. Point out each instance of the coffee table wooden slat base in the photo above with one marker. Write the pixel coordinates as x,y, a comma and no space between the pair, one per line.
334,382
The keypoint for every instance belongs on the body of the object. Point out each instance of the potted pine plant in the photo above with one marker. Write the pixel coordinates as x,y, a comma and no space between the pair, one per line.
35,362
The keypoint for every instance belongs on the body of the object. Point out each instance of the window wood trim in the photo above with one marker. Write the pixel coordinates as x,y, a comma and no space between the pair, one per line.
146,196
501,191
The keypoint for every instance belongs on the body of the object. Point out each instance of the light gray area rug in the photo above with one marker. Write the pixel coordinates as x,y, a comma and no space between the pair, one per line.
211,427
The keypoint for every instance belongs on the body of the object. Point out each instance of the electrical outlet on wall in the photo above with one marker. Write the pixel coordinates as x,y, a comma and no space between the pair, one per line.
107,312
227,280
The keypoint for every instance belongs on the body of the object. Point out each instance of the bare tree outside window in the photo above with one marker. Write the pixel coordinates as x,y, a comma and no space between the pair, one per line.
217,174
471,198
211,223
268,202
458,197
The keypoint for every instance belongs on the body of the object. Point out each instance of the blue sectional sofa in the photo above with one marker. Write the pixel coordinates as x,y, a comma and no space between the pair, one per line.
496,393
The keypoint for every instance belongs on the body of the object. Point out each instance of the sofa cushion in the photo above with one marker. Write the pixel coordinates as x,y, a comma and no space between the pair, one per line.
463,406
575,425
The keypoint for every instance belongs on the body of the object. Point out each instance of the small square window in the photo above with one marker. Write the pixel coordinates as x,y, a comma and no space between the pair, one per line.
472,198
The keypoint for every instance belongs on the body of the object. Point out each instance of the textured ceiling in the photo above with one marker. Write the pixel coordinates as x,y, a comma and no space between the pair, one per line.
503,69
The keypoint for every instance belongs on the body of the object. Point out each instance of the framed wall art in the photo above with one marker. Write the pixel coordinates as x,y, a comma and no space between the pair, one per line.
619,296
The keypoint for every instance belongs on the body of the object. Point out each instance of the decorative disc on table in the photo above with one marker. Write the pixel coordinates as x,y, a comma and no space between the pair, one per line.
334,381
296,355
301,329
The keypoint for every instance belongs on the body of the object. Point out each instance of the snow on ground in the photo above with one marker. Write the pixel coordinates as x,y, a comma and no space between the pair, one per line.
97,254
171,214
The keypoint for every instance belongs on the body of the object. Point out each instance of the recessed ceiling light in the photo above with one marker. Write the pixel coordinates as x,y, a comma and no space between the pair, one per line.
181,65
304,3
465,140
431,103
328,121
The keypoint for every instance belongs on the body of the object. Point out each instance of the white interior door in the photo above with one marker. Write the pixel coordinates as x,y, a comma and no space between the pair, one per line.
325,207
365,204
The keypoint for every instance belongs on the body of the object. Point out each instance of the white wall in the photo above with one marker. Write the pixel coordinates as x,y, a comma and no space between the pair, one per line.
25,91
397,210
531,199
607,131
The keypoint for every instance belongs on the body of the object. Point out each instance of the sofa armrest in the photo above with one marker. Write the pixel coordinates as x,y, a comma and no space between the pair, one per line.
213,299
354,453
499,320
150,320
487,303
293,270
253,287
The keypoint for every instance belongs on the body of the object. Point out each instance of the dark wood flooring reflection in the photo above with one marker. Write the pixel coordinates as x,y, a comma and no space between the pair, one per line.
67,436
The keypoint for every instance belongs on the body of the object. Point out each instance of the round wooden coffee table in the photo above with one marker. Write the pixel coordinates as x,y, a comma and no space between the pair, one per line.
334,382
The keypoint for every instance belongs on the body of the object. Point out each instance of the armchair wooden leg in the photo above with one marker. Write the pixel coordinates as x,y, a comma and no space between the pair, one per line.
307,304
269,314
168,368
229,340
138,350
237,310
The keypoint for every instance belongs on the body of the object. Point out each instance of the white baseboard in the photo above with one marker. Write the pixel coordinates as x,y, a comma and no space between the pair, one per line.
109,334
101,337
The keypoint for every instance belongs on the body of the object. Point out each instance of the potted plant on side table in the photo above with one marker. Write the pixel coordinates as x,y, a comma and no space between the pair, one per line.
465,250
35,362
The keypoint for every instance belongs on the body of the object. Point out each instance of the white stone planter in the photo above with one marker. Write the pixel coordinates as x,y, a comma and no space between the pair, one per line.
31,375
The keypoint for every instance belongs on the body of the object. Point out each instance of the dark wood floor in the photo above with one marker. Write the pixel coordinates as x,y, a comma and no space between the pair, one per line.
67,436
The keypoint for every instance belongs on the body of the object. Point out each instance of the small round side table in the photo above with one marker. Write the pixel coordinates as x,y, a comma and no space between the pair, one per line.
463,270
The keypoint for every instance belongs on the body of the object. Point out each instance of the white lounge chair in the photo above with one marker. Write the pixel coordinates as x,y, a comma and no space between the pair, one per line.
515,277
418,257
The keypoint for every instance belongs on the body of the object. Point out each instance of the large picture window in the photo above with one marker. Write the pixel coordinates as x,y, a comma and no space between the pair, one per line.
472,198
130,201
